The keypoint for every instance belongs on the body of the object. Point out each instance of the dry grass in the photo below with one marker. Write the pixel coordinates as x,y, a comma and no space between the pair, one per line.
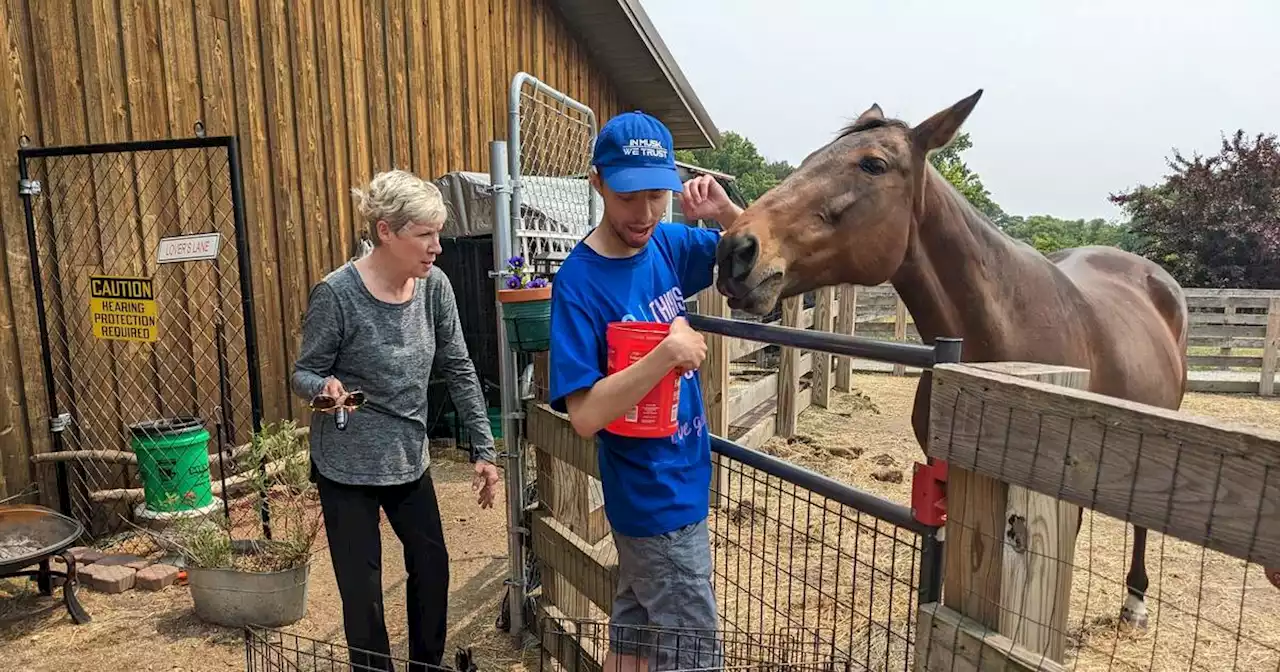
1198,600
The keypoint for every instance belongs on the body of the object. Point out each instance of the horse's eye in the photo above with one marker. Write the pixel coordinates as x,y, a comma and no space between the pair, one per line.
873,165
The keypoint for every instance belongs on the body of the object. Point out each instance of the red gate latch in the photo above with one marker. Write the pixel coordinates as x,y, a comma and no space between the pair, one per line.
929,493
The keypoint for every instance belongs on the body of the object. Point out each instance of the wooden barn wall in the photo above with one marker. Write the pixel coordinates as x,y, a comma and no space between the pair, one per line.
321,94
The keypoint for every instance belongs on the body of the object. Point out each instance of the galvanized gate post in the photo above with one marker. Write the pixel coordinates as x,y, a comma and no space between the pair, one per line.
511,413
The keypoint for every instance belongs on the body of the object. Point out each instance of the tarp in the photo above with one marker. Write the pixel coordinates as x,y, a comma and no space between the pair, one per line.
551,207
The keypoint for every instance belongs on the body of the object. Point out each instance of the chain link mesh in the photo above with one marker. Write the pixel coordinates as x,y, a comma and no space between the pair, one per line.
554,204
148,360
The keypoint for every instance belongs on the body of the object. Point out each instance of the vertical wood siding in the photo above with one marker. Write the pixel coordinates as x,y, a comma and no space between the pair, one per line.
322,94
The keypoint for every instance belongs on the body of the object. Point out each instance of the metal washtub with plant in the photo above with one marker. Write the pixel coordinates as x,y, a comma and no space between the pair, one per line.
237,581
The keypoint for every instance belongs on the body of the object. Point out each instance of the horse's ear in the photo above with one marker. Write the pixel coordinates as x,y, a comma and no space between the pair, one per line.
873,112
938,130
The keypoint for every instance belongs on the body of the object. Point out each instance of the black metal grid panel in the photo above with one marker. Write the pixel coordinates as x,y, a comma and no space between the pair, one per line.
128,339
800,554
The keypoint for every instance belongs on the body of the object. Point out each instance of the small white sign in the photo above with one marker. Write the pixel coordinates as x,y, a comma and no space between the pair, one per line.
194,247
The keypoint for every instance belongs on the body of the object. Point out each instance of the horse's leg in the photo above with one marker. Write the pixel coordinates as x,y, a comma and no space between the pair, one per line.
1134,612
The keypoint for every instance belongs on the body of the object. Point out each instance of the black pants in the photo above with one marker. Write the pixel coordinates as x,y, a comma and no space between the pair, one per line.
355,546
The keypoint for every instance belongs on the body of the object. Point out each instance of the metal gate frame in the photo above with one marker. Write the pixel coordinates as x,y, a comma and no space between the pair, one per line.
29,188
507,174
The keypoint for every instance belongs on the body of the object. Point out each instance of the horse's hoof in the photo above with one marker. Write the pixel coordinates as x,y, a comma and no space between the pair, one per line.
1134,614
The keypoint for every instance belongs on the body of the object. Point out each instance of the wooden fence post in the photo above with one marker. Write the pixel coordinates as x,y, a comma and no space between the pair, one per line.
1019,586
789,373
899,330
845,324
823,320
715,386
1270,349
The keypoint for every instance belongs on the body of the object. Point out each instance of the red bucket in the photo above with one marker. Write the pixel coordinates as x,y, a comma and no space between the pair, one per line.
657,414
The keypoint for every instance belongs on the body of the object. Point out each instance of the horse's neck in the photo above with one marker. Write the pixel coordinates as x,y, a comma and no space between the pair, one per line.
957,272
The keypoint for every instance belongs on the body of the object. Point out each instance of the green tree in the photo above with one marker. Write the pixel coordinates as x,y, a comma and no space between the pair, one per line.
1214,221
739,157
1050,234
948,162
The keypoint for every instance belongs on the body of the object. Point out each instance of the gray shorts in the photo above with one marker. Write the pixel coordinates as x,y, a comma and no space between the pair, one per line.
664,589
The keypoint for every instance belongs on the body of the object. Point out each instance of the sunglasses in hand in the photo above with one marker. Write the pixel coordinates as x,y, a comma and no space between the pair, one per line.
352,401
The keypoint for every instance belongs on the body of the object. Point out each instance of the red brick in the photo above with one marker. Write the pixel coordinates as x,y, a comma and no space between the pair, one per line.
85,555
108,578
131,561
156,577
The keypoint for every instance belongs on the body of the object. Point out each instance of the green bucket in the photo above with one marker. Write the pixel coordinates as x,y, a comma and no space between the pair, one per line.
173,459
528,325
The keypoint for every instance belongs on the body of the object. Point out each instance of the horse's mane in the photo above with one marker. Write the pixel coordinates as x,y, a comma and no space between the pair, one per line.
857,126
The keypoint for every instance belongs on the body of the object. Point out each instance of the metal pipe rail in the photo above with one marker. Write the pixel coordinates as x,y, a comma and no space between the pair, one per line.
908,354
866,502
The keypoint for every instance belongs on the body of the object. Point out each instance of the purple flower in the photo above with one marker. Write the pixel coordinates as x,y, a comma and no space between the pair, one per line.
537,282
513,282
516,262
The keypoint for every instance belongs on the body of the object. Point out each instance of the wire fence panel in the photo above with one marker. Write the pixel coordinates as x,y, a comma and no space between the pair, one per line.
791,561
272,650
578,644
1165,569
138,260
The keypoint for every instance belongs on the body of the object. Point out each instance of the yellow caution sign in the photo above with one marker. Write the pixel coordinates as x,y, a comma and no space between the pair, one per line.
123,308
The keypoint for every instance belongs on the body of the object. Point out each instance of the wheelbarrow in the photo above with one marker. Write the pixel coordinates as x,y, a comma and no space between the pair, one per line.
34,535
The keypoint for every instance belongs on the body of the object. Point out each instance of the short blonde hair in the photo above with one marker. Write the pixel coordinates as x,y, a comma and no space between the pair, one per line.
399,198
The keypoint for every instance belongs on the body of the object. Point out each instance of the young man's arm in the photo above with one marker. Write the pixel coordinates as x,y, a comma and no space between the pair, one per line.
579,386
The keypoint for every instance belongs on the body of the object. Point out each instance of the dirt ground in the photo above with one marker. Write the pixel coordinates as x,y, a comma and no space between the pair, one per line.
1198,600
144,631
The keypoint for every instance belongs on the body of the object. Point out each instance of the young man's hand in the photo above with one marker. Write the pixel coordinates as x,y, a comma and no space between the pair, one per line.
686,347
704,198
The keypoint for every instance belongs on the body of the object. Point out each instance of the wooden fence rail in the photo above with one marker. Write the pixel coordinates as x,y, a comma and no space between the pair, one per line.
1234,347
1199,480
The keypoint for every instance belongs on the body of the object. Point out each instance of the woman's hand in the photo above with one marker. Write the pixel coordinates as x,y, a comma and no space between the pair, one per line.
333,389
485,483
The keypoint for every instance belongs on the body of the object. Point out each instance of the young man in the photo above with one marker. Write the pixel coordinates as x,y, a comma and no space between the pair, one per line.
634,267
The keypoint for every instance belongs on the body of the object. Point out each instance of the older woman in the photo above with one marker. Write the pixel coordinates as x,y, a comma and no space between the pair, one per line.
376,325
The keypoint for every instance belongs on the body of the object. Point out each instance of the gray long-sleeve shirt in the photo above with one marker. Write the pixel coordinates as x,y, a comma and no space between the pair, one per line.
387,350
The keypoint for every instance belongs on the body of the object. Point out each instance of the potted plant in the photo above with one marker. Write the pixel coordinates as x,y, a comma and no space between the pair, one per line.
237,581
526,308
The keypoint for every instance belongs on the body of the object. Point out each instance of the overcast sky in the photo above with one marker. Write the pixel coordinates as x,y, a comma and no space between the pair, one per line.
1082,97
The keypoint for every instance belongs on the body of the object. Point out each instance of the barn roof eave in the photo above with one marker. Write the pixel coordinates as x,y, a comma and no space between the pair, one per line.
625,44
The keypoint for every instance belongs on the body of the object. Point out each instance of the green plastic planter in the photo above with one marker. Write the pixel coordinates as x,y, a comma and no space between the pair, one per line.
526,313
528,325
173,459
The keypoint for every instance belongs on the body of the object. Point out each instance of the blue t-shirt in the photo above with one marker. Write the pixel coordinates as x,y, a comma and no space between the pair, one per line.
651,486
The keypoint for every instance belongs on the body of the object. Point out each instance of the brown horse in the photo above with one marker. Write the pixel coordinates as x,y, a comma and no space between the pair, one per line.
868,208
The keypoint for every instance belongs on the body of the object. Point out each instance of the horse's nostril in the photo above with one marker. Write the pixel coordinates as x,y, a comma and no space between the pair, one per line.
743,252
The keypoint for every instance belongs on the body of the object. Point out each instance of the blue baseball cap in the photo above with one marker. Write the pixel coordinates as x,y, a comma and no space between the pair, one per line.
635,152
